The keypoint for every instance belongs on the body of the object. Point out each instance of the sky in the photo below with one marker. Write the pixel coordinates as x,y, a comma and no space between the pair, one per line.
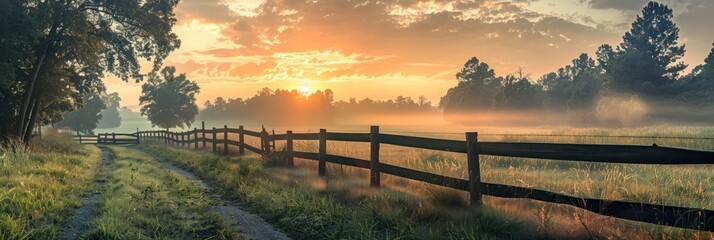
386,48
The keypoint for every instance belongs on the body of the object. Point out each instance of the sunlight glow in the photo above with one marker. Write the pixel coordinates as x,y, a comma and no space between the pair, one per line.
305,91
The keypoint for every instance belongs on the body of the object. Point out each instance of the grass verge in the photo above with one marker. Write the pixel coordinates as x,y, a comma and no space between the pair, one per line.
145,201
42,183
339,213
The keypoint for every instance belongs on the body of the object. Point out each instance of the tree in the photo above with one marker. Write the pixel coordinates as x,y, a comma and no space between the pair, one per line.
168,100
647,62
85,119
518,93
476,89
83,39
698,86
111,117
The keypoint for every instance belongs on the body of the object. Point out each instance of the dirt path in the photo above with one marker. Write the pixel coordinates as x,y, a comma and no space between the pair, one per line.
90,206
243,223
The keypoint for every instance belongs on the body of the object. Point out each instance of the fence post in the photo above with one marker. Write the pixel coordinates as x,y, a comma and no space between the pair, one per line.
214,139
106,137
374,156
474,168
241,140
138,134
322,155
166,136
289,148
195,138
183,142
264,145
273,146
98,138
225,139
79,136
114,138
203,133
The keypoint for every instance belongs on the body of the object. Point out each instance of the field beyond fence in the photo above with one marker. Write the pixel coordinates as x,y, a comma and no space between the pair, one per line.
673,216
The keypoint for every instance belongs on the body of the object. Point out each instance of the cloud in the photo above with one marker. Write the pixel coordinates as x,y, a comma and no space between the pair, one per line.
629,5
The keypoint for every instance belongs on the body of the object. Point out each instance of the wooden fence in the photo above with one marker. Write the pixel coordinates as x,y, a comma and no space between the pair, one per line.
674,216
107,138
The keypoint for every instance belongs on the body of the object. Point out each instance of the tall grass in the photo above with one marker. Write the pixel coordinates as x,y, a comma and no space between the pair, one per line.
289,199
41,183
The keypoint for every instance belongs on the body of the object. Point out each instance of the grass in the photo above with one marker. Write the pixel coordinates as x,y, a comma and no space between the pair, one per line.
144,201
289,199
689,186
41,184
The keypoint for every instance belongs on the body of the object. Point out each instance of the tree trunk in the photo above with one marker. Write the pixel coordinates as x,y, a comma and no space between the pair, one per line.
21,124
30,89
33,117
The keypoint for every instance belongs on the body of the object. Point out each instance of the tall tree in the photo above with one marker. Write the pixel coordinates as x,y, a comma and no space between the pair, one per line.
85,119
85,38
647,62
168,100
477,87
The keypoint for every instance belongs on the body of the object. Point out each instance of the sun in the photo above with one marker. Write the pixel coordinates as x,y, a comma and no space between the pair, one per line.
305,90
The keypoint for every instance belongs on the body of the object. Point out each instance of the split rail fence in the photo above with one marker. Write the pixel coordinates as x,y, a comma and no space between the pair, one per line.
674,216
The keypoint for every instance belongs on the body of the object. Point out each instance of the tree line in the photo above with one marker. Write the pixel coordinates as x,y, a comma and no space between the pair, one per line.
645,67
291,107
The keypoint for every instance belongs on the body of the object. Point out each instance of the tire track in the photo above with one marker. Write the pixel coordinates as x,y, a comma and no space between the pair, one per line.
90,204
243,223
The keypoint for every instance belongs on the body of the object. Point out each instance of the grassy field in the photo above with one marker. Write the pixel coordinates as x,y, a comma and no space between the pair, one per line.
289,199
144,201
690,186
41,184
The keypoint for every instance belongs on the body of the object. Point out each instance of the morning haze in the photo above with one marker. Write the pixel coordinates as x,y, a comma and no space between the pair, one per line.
356,119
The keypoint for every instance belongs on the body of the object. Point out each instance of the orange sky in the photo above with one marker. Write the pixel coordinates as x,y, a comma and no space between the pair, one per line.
381,49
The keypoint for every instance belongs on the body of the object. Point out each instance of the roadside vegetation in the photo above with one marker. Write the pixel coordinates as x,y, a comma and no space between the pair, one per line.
42,183
145,201
306,212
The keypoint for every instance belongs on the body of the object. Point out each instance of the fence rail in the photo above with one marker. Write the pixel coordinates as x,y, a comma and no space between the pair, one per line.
674,216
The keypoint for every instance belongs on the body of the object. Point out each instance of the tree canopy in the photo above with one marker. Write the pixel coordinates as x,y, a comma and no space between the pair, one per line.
168,100
646,65
56,52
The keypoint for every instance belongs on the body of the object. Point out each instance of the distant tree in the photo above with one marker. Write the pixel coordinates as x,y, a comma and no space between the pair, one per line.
128,114
698,86
518,93
647,62
111,117
585,90
168,100
85,119
476,89
557,88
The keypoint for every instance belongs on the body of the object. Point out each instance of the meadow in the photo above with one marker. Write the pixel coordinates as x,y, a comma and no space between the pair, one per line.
689,186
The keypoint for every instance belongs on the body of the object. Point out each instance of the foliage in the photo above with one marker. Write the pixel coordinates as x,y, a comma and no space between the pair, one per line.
645,69
168,100
110,116
55,53
646,62
86,118
476,90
